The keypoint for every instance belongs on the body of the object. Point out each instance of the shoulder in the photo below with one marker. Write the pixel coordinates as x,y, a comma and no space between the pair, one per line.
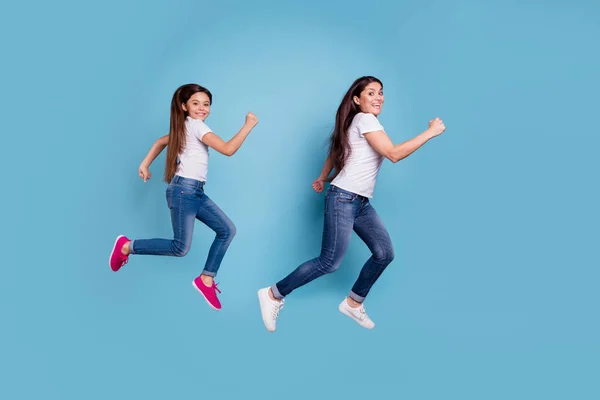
365,119
194,122
361,116
366,122
366,115
197,125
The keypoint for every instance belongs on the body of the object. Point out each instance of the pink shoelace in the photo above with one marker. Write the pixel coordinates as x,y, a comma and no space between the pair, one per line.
214,286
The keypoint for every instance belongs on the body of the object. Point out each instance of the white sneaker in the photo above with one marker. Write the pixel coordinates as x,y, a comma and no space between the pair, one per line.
358,314
269,308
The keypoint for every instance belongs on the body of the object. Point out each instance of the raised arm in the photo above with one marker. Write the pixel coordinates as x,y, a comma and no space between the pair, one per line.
380,141
155,150
230,147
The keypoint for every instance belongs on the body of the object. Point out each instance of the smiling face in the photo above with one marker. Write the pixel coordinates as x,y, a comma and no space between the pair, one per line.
198,106
371,99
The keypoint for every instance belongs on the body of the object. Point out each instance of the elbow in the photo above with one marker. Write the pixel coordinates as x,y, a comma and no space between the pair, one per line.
393,158
228,151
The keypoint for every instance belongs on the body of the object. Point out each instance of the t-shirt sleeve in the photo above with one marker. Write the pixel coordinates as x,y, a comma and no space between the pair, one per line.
368,123
200,129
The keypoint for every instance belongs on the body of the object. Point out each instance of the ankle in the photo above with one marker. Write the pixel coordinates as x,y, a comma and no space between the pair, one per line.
353,303
207,280
272,296
125,249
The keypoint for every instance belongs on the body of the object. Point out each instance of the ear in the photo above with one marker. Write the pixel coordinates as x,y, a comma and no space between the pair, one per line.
183,106
356,100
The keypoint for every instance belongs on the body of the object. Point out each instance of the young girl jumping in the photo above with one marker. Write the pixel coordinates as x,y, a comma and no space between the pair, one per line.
358,146
186,169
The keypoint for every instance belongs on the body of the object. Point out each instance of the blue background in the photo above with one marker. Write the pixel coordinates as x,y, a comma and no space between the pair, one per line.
494,291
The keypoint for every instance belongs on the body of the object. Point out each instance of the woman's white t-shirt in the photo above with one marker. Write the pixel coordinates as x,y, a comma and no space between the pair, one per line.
360,169
193,159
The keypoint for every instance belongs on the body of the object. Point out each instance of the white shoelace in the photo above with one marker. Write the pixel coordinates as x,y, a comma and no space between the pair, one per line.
276,309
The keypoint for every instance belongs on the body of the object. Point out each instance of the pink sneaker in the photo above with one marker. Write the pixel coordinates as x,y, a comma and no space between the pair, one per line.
117,258
209,293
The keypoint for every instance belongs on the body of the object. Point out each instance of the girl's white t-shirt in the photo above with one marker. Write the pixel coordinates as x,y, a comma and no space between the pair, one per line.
193,159
362,166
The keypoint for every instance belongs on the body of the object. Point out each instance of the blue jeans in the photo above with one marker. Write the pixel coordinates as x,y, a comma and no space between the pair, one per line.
187,201
344,212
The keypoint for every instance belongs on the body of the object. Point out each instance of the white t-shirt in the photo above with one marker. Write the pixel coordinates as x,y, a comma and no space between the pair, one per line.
360,169
193,159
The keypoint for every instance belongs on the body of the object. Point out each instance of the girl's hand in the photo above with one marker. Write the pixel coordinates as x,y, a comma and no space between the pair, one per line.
436,127
251,120
318,185
144,173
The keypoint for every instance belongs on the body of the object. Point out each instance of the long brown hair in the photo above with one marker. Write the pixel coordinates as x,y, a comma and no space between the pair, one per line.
339,145
177,129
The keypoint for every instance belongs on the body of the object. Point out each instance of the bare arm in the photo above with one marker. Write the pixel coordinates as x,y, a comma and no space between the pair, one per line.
155,150
319,183
230,147
380,141
327,168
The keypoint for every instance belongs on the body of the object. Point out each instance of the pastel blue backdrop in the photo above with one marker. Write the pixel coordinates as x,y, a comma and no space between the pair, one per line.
494,291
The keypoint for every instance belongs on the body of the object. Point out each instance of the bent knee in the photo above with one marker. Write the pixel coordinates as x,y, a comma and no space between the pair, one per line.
384,256
180,250
227,231
328,265
231,230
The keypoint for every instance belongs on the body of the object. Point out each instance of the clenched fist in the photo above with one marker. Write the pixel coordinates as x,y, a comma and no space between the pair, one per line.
144,173
436,127
251,120
318,185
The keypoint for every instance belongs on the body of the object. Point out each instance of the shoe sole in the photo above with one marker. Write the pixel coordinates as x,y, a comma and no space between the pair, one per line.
204,297
113,252
261,313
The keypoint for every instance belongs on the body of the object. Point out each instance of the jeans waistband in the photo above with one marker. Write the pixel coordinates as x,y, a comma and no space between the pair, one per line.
334,188
188,181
